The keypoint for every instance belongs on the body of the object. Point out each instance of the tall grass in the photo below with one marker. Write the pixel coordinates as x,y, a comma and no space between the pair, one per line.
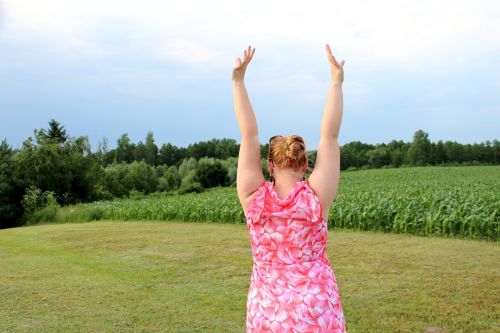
461,202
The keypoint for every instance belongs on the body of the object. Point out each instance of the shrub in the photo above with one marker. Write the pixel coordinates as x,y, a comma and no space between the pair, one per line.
192,187
170,180
211,173
134,194
45,214
189,178
95,214
39,206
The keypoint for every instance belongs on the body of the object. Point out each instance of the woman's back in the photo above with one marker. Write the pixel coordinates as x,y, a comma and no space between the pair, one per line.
293,286
286,230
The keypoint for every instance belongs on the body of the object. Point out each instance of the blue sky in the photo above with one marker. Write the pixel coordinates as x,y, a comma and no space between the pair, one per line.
104,68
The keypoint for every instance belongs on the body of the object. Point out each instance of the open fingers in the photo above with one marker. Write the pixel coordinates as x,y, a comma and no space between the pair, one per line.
248,55
329,53
251,54
330,56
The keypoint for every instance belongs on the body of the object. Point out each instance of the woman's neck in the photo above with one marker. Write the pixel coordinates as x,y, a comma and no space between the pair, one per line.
285,181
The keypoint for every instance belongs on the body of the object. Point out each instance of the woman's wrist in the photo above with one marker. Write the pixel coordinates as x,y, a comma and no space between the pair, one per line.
238,82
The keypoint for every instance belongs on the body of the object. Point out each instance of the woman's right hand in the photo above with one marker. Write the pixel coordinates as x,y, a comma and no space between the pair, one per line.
240,65
336,68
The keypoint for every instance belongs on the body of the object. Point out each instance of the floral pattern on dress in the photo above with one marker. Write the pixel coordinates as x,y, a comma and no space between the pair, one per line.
293,286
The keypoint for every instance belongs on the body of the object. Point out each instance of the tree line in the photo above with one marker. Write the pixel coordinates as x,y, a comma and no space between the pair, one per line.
52,168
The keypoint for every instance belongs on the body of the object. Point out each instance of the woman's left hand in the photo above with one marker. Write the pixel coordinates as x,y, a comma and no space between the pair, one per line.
336,68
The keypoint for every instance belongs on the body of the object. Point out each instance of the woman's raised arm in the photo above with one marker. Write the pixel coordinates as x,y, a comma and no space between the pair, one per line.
324,179
249,174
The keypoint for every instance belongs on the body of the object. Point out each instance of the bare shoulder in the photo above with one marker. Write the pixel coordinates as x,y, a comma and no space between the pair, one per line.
325,204
325,177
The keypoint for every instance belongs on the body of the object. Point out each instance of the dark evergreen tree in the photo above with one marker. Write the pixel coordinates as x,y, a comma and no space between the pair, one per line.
56,132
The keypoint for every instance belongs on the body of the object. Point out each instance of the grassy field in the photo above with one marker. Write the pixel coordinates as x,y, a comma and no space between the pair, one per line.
458,202
143,276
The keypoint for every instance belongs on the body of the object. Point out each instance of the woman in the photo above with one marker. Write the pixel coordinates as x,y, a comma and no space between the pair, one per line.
293,286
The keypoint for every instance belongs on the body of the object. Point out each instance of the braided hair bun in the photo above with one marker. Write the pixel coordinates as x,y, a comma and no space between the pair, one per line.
288,151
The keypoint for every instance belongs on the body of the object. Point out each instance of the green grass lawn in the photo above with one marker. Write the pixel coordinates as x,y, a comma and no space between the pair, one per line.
193,277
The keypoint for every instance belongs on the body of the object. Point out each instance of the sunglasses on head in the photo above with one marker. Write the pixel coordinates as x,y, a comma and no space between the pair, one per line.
269,148
274,137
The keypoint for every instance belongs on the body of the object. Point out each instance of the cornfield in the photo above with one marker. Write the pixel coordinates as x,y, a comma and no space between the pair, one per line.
461,202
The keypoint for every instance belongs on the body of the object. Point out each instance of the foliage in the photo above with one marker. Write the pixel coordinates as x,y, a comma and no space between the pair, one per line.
186,166
231,165
44,214
170,179
53,161
188,180
39,206
421,151
34,199
124,151
441,201
211,173
190,188
55,134
11,189
68,169
121,178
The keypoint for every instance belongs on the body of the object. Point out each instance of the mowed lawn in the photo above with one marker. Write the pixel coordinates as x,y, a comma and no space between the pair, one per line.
110,276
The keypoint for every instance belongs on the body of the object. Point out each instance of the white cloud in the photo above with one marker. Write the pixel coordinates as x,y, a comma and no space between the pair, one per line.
403,33
189,52
298,85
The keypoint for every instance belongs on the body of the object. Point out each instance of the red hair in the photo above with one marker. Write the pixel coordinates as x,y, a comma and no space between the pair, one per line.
287,151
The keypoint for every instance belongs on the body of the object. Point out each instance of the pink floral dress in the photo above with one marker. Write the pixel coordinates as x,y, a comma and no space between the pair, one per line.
293,286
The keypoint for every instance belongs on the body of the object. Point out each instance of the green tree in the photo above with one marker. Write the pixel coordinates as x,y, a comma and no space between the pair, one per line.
140,152
141,177
114,179
438,153
231,165
124,150
170,179
56,133
11,189
454,151
70,170
211,173
496,151
187,165
379,156
102,151
170,154
420,149
151,150
353,154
